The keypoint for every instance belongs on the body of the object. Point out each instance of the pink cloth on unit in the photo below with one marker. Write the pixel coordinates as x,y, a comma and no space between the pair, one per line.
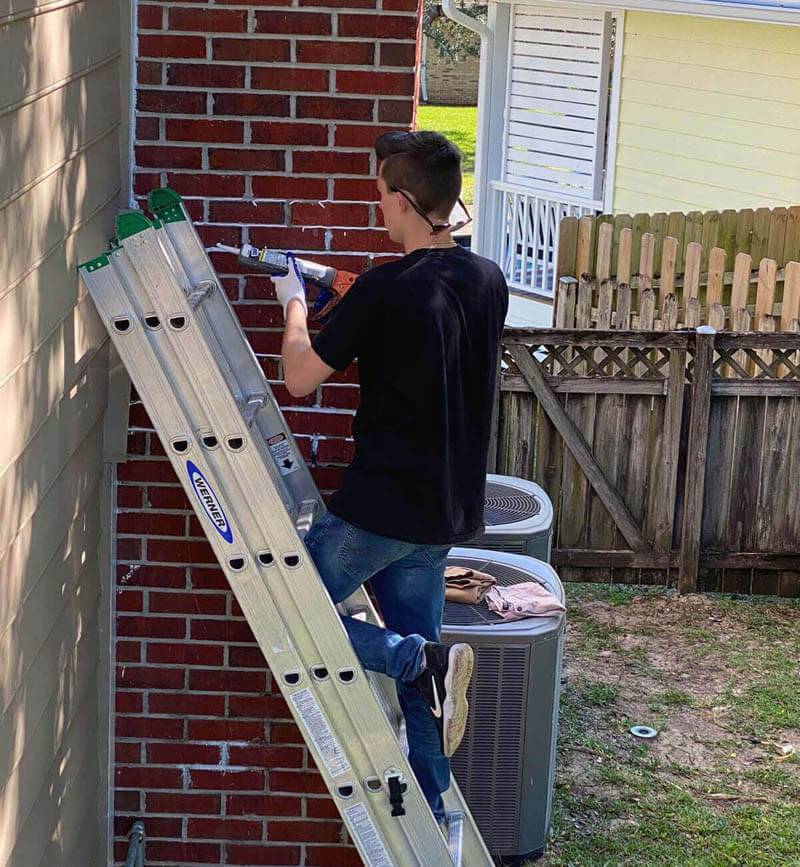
517,601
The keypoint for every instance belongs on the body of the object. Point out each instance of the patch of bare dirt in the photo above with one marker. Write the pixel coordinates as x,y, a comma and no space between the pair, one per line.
659,648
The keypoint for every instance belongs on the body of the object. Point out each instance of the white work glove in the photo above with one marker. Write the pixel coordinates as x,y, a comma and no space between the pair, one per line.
291,286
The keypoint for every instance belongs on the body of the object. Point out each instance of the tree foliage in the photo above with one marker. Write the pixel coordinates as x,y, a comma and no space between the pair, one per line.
452,41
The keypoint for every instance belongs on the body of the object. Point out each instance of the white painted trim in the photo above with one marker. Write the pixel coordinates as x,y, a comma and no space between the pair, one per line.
599,158
761,12
613,118
105,667
127,79
488,155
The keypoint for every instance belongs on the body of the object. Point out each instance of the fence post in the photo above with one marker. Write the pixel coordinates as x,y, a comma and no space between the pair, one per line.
696,460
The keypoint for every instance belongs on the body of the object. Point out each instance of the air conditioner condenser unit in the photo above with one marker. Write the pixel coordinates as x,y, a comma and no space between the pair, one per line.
518,516
506,762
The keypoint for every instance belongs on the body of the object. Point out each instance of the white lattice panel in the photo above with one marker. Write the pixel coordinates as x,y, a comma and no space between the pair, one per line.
557,100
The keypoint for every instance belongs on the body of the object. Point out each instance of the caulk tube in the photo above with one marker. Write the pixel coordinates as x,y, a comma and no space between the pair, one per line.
274,262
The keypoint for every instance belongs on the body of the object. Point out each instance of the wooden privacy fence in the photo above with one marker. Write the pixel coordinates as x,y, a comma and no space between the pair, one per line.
735,270
670,457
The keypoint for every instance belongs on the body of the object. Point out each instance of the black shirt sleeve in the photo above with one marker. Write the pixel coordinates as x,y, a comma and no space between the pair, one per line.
342,337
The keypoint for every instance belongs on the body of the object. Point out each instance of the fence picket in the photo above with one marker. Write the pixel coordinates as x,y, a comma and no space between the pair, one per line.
765,300
744,231
767,323
741,282
669,257
624,255
740,322
716,317
646,261
641,224
691,276
621,221
694,230
791,245
647,303
669,315
658,226
676,226
692,313
716,274
777,233
565,315
623,314
760,239
790,308
710,236
726,238
605,238
604,302
583,261
765,295
567,246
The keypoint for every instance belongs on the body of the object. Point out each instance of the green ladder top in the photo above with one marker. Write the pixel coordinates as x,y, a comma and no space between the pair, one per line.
166,204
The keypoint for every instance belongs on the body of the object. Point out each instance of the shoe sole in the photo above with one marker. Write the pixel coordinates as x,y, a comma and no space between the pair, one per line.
456,682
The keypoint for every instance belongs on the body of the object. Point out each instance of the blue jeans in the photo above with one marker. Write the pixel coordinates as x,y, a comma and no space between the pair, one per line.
408,582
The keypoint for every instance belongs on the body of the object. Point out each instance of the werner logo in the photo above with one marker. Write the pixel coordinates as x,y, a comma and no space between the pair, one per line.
209,502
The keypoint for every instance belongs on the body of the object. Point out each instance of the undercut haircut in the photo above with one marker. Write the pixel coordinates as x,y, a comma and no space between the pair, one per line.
422,163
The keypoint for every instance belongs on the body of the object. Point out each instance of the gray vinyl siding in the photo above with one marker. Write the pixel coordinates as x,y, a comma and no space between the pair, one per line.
60,145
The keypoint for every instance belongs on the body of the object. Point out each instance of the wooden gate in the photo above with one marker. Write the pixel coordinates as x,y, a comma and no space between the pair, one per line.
668,455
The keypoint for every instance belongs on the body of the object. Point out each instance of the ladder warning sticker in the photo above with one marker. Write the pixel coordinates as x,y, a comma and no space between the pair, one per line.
281,450
320,732
363,830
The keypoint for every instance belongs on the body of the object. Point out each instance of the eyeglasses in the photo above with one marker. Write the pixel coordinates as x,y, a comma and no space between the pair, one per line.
436,228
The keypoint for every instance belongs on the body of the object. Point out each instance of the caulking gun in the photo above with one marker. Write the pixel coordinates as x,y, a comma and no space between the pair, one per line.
331,282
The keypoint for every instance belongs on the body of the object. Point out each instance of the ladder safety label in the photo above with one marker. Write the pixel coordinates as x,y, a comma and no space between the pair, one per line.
209,502
281,450
320,732
363,830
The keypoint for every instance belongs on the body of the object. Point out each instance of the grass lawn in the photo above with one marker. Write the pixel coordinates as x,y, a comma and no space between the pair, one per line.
718,678
458,123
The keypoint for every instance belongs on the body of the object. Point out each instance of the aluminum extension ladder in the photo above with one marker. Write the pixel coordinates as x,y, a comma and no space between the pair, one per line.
161,301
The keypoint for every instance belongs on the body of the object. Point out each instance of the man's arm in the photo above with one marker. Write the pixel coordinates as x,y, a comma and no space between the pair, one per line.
303,369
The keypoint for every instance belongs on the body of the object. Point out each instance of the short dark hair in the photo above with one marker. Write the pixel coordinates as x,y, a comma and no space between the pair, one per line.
423,163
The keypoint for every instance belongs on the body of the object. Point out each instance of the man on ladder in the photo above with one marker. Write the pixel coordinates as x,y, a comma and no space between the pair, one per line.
425,330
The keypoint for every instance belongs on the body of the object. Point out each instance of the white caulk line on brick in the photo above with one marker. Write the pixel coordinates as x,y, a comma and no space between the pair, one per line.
127,577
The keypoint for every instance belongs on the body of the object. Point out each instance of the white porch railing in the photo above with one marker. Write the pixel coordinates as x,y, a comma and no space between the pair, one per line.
524,234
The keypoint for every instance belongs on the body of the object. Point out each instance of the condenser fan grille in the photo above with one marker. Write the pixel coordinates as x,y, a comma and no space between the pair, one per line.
505,504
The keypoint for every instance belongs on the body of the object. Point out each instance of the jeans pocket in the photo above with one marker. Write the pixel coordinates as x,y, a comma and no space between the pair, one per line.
362,554
436,555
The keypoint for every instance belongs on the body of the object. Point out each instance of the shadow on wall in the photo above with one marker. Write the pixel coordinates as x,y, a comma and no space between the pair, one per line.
59,189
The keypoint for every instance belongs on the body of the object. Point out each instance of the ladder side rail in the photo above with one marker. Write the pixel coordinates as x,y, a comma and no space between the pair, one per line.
217,315
161,417
309,596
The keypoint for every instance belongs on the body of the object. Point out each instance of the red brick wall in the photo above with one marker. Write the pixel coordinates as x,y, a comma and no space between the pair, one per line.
263,118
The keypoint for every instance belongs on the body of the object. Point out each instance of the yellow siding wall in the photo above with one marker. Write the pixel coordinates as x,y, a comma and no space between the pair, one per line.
709,115
59,186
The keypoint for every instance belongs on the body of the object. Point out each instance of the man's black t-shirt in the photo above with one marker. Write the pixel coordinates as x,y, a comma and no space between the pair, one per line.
426,332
